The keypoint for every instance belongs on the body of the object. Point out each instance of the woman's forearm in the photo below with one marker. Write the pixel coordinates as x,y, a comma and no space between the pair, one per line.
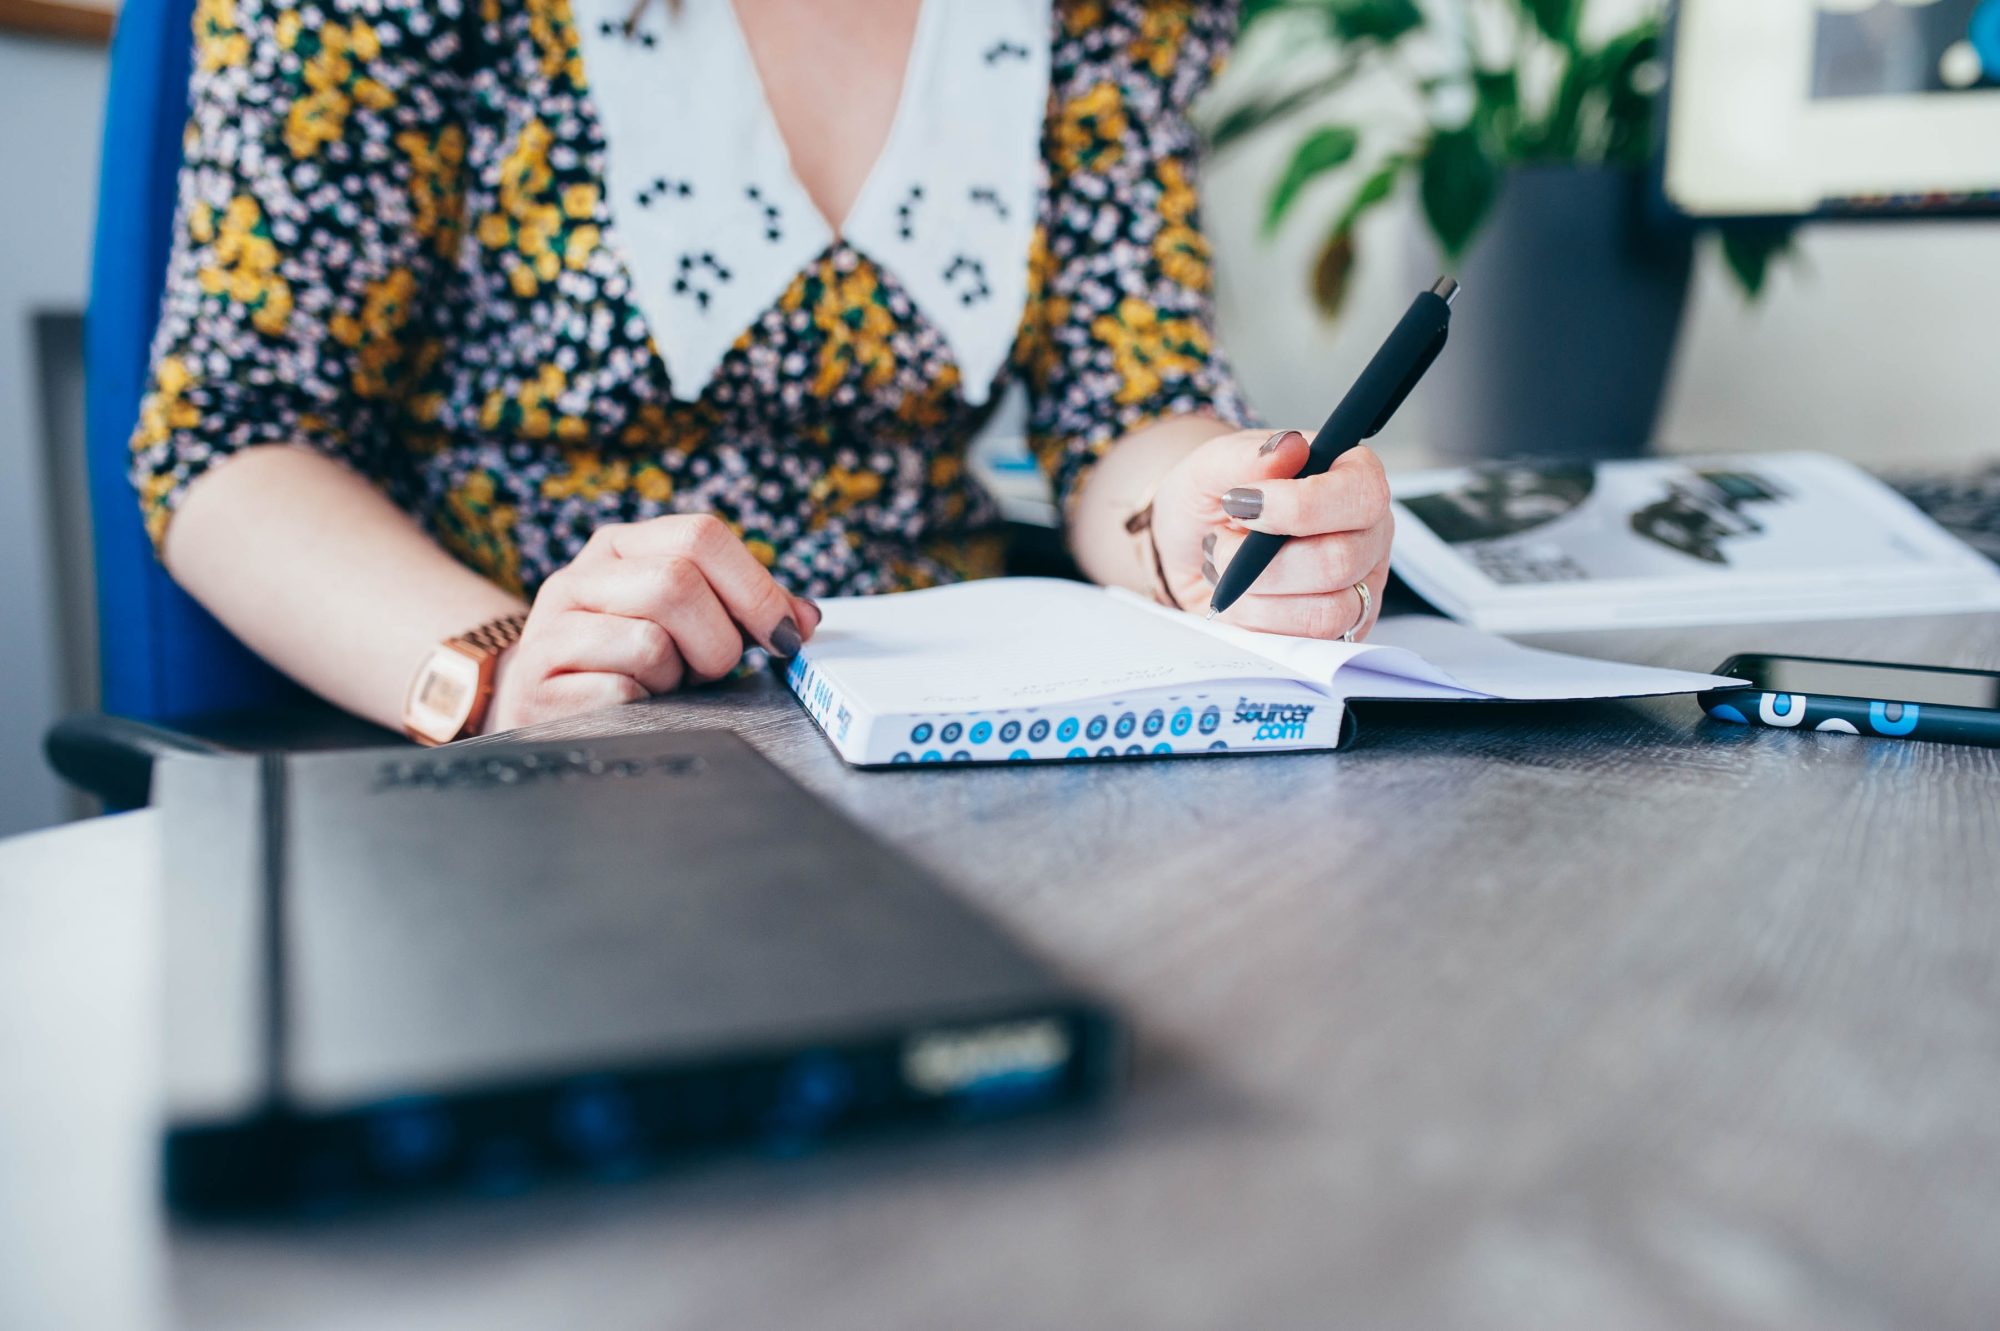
1117,485
318,572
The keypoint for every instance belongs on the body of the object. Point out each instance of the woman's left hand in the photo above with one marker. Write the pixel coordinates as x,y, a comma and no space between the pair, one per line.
1339,523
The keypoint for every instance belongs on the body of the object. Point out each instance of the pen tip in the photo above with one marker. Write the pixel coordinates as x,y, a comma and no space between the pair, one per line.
1210,614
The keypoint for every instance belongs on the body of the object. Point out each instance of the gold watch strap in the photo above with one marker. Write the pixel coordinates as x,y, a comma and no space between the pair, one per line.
494,636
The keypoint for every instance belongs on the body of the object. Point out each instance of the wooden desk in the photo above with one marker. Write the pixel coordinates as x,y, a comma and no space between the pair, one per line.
1611,1019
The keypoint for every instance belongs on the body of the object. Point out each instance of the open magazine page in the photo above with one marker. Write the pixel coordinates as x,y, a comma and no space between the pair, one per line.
1675,540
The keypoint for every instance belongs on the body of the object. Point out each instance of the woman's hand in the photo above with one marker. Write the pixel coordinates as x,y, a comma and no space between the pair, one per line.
1339,523
644,608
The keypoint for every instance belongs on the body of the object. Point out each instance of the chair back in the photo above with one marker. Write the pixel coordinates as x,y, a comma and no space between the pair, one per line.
163,656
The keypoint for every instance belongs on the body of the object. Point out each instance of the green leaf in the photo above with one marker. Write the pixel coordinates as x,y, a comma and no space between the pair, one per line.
1556,18
1247,119
1628,109
1323,150
1750,247
1379,186
1459,185
1372,20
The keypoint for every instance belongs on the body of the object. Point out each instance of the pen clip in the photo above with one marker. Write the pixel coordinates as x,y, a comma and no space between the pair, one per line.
1409,383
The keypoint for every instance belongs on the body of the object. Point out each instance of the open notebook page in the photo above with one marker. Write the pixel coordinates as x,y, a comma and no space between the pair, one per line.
1015,642
1426,657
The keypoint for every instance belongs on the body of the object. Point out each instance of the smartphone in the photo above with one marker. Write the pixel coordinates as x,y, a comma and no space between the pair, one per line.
1860,698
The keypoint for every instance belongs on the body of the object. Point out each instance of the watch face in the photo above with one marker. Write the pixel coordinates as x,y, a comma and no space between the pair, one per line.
443,696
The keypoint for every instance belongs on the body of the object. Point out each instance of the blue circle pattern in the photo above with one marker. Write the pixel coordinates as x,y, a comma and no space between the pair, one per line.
961,756
932,756
1067,730
1183,721
921,733
1038,732
1095,730
1155,719
951,732
1125,724
981,732
1210,719
1018,756
1163,747
1079,753
1010,732
902,758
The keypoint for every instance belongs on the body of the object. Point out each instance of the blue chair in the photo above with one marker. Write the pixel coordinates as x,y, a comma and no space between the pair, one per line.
173,678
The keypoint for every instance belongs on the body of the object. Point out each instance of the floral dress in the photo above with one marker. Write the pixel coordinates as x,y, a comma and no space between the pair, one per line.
398,244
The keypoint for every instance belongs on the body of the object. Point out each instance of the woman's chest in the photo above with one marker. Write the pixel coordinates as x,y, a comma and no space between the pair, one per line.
630,202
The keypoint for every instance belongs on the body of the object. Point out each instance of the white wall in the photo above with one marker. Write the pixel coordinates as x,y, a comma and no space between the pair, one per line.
51,96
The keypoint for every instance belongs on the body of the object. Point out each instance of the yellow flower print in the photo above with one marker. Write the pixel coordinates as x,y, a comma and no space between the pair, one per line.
553,29
153,493
653,484
1182,251
376,335
1144,347
839,489
538,230
587,475
856,325
1080,16
765,553
242,263
680,430
334,84
1090,129
437,185
1157,44
219,43
165,410
481,532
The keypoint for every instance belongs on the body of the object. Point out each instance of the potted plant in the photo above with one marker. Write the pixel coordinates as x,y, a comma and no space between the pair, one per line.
1527,142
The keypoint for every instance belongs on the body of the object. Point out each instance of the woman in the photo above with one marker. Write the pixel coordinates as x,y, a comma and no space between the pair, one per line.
662,319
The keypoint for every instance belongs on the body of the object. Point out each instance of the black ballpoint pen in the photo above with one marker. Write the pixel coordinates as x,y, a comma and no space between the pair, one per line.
1412,345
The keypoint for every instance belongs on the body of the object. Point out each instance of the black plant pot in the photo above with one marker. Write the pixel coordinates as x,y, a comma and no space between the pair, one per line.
1564,336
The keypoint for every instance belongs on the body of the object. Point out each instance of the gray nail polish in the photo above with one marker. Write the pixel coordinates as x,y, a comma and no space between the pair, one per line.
1243,503
1208,571
1271,444
1208,545
785,637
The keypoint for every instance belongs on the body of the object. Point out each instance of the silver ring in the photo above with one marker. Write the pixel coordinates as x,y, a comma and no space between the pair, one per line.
1367,599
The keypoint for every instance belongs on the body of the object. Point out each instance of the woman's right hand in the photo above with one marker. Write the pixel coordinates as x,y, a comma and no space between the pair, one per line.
644,608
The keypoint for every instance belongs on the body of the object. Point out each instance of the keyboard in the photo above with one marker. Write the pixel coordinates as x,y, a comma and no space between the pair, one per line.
1966,504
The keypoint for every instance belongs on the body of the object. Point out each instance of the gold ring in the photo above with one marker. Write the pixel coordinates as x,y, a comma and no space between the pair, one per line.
1367,598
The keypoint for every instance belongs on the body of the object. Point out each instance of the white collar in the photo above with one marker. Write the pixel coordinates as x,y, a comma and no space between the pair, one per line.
714,225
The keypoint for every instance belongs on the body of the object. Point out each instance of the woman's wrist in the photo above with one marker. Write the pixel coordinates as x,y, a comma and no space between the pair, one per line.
1120,485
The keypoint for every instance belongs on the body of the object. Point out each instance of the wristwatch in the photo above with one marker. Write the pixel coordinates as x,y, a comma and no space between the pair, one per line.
449,696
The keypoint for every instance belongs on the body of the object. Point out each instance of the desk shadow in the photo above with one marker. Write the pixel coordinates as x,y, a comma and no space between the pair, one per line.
1544,734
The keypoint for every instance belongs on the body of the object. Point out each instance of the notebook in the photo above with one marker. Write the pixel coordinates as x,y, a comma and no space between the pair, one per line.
1040,670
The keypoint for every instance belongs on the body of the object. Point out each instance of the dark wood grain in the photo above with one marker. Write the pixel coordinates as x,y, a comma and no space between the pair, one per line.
1605,1017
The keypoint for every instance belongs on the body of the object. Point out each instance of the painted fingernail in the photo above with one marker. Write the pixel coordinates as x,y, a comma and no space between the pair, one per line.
818,614
1208,546
1208,571
1244,503
785,637
1276,441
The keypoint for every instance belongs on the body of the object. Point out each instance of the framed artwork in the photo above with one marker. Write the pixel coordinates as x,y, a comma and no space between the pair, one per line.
1800,107
77,20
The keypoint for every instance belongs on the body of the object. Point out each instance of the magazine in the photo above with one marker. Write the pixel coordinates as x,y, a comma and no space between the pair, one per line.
1525,547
